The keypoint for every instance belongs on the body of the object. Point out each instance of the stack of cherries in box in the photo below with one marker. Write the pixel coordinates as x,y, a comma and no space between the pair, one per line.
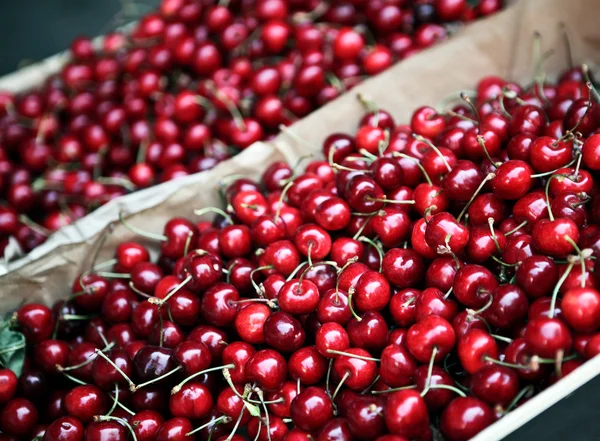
423,279
195,82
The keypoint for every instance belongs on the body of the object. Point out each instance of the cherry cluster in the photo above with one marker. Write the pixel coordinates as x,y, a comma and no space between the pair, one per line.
194,83
422,278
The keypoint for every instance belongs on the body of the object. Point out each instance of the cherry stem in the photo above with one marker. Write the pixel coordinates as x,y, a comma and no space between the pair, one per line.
339,273
142,151
434,148
281,198
349,355
384,143
339,386
235,427
489,177
140,232
451,97
137,291
115,400
447,387
237,116
527,390
12,348
502,338
368,154
121,182
262,400
376,246
188,242
493,233
389,201
111,275
206,210
541,175
363,226
429,372
257,288
557,288
34,226
586,74
504,363
330,263
221,419
293,274
328,377
581,259
119,420
547,193
160,302
225,368
368,388
395,389
539,75
466,98
83,363
481,142
93,269
117,368
350,294
157,379
517,228
73,379
371,107
484,307
285,129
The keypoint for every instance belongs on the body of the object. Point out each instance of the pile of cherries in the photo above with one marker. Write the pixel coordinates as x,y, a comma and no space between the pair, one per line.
422,279
194,83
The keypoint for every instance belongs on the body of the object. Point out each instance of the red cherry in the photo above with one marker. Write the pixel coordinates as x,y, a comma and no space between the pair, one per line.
548,336
406,414
475,348
429,334
555,237
581,309
464,418
268,368
359,372
397,366
311,409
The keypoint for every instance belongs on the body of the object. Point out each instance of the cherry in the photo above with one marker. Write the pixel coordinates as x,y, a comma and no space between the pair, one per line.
509,306
435,398
495,385
444,234
219,304
406,414
475,348
192,401
311,409
307,365
146,424
397,366
581,309
18,417
298,297
84,402
372,292
365,418
473,285
432,333
513,179
555,237
8,385
464,418
357,366
369,331
433,302
64,429
174,429
98,431
462,181
268,368
283,332
537,276
548,336
36,322
402,267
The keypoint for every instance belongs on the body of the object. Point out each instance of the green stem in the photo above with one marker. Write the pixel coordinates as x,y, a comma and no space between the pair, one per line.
557,289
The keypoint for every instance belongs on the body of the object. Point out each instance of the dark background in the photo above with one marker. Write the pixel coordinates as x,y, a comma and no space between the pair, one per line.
32,30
